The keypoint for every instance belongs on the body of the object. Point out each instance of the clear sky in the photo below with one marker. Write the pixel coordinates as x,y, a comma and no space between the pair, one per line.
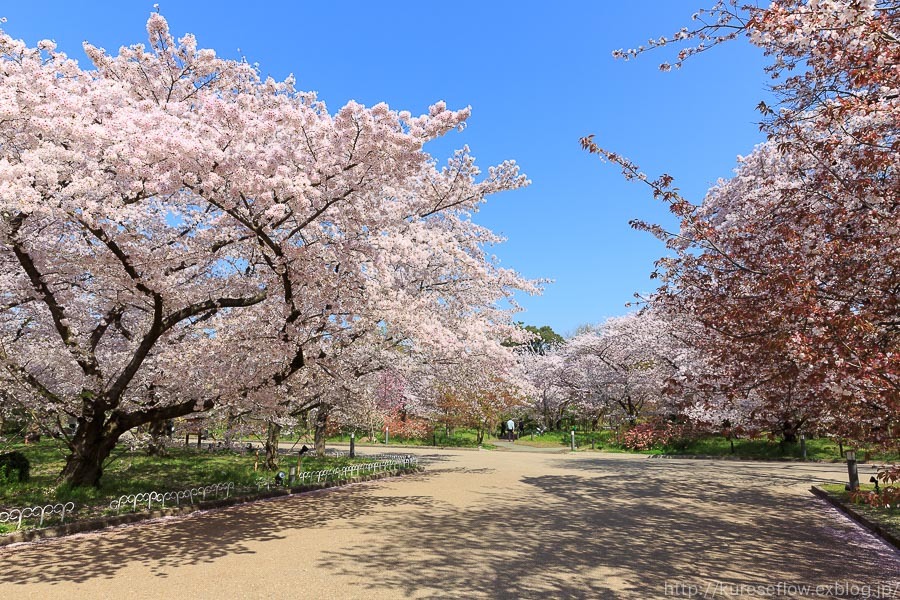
538,75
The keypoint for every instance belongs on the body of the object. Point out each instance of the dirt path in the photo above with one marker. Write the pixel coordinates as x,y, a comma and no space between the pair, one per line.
489,525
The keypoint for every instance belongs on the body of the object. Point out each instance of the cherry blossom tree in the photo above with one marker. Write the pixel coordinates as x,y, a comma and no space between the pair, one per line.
552,395
384,399
632,367
622,367
179,233
791,266
477,390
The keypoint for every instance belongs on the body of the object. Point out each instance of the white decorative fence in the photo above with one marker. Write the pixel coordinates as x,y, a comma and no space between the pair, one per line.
17,515
147,499
340,473
388,456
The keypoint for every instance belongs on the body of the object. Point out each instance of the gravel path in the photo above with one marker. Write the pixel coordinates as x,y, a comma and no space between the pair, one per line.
491,525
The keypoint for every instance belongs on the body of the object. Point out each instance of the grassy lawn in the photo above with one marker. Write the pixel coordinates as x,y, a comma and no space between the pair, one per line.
540,441
888,518
816,449
559,439
602,441
821,449
135,472
460,438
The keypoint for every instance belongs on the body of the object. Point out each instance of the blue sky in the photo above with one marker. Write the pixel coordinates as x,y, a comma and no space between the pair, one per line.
538,76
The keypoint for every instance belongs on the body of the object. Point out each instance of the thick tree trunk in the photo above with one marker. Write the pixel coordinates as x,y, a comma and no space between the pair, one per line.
480,437
272,433
321,425
789,432
91,446
158,433
98,432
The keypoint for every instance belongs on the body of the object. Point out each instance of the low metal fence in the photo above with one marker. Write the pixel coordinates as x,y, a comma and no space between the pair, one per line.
147,500
192,496
341,473
18,515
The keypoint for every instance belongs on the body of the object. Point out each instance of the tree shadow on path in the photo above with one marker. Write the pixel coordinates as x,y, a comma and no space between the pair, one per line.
608,529
171,543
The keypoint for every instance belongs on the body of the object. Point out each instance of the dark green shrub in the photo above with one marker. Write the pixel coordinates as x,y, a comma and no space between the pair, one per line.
14,462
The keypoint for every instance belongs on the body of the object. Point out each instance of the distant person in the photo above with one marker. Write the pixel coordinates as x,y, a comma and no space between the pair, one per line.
510,428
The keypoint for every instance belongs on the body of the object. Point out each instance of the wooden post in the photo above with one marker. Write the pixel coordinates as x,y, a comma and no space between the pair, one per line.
852,472
256,462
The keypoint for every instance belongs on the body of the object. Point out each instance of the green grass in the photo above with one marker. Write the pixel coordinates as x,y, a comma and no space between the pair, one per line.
603,440
460,438
135,472
817,449
820,449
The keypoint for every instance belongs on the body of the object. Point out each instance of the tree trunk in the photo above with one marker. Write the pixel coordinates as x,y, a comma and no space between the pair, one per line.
98,431
272,433
229,429
480,435
91,446
789,432
321,425
630,410
157,444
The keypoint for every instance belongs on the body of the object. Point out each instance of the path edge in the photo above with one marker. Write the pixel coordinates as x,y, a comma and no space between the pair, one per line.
848,510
